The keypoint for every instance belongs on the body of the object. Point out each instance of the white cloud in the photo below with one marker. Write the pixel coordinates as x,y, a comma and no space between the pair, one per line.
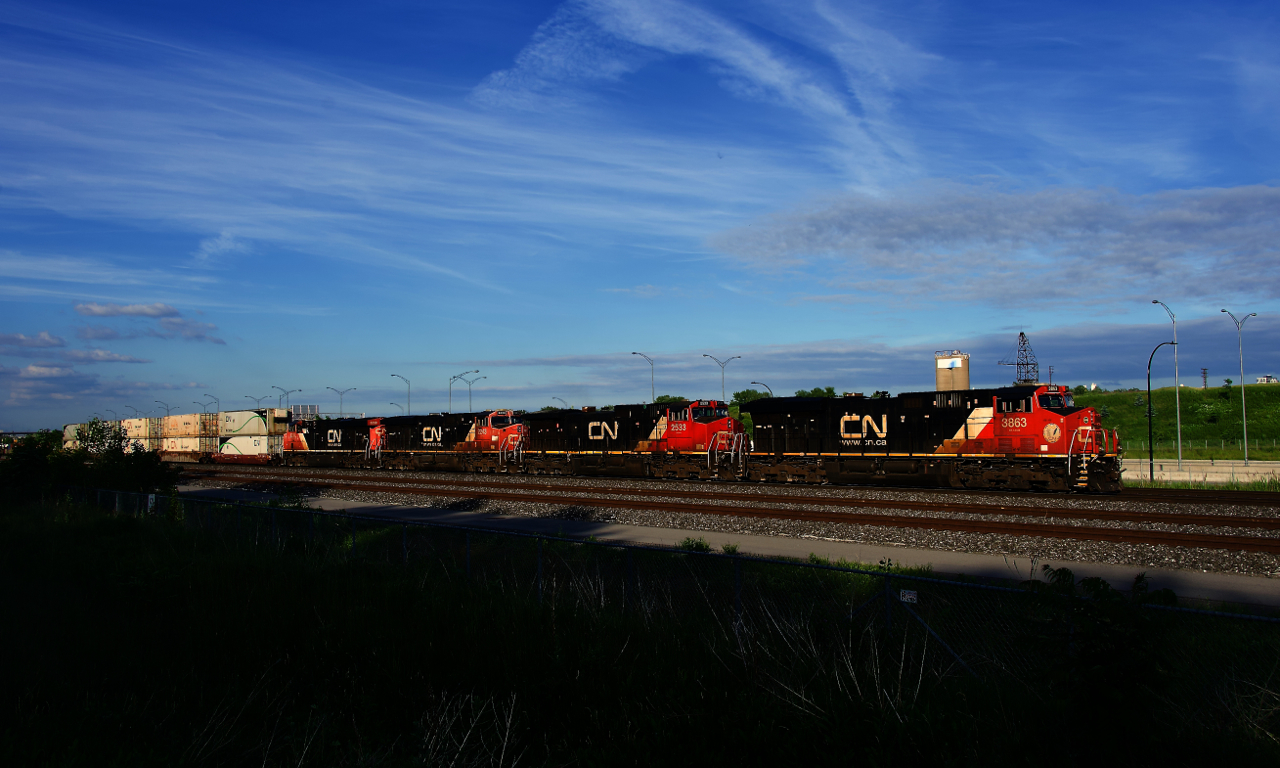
42,340
127,310
98,356
1091,246
224,243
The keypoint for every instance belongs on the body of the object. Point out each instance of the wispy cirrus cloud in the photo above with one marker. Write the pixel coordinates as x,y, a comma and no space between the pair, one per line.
587,42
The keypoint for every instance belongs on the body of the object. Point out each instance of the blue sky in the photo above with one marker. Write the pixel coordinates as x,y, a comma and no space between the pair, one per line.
221,198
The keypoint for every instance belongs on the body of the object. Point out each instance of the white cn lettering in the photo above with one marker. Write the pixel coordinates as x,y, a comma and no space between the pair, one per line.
335,436
853,425
432,434
596,430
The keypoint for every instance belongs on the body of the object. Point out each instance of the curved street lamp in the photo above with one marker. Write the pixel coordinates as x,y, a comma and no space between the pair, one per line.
285,394
257,401
567,407
401,407
341,411
1151,462
1177,390
766,386
204,407
469,383
453,379
410,393
722,365
652,391
167,409
1243,416
113,413
216,402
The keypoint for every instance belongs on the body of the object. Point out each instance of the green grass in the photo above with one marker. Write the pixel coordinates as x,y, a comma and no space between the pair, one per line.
141,642
1269,485
1211,423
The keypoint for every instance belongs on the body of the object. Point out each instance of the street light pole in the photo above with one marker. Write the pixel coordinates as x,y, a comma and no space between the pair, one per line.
1243,415
257,401
342,413
566,405
167,409
204,407
453,379
1177,390
216,402
652,390
766,386
469,383
1151,462
113,413
401,407
722,365
285,394
410,392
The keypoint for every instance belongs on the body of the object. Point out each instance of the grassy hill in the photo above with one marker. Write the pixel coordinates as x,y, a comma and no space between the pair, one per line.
1211,426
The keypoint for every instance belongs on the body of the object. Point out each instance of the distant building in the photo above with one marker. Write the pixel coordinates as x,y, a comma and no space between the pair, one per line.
1268,379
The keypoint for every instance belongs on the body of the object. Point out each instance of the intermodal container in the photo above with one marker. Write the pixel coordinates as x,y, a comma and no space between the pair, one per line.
250,445
266,421
136,428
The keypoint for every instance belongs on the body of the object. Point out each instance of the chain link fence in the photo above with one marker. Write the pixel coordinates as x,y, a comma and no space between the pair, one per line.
884,629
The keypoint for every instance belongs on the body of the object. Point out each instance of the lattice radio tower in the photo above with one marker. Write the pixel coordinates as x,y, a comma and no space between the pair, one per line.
1028,368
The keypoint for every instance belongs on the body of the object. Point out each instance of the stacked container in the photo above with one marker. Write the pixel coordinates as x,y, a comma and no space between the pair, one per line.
252,433
71,436
136,433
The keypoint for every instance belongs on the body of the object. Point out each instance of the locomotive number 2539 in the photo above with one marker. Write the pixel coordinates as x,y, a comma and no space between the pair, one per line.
1013,423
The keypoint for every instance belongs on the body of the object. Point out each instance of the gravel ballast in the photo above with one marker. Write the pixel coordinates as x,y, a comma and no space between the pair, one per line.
1043,548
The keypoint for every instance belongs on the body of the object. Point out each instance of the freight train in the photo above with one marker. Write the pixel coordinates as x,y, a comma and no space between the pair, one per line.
1031,437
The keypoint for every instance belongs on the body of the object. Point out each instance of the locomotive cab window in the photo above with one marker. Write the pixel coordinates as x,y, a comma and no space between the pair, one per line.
1055,401
709,414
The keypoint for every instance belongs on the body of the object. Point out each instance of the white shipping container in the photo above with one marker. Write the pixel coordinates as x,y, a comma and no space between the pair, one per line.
136,428
181,444
268,421
245,445
185,425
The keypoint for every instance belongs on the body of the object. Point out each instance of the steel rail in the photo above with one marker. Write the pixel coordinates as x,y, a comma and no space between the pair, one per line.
1008,510
1088,533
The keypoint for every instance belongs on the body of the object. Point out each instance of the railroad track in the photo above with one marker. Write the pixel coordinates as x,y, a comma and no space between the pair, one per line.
830,510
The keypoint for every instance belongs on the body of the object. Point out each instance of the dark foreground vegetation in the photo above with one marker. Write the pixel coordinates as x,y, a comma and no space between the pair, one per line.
146,642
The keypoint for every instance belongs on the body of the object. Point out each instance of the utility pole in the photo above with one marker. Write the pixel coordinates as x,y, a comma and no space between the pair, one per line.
1204,378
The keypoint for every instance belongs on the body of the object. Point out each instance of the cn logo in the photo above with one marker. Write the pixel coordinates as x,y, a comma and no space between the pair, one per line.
334,436
596,430
853,425
432,434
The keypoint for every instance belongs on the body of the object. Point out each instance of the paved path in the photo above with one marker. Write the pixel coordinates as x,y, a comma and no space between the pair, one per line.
1196,585
1200,470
